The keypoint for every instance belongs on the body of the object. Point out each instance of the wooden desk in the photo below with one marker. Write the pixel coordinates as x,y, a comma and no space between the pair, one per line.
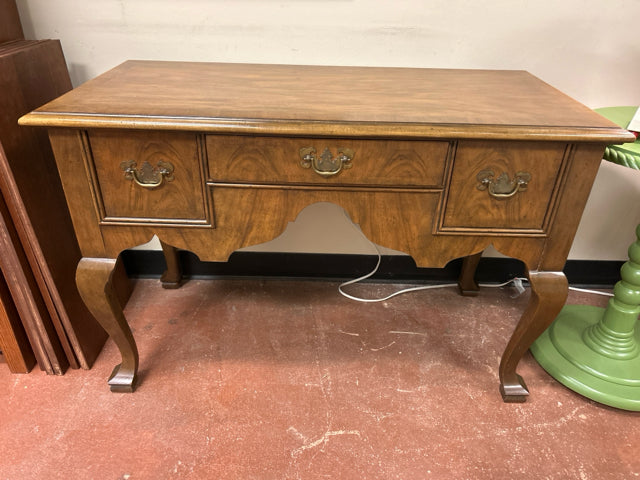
439,164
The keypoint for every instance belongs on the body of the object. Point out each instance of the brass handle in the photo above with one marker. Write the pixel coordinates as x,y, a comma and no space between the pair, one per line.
148,176
326,165
503,187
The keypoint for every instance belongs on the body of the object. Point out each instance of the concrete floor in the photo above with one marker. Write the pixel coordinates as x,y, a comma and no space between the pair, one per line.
275,379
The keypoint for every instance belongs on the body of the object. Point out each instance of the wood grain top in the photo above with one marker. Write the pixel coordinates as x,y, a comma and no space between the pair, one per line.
317,100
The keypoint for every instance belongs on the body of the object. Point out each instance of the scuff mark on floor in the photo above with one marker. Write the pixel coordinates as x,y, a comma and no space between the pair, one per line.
323,440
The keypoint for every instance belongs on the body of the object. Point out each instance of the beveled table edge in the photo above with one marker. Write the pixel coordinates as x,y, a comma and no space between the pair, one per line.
244,126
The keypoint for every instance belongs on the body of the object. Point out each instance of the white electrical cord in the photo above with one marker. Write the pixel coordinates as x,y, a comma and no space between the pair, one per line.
517,281
373,300
586,290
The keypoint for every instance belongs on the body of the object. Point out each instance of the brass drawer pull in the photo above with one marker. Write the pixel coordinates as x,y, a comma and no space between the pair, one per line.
326,165
148,176
503,186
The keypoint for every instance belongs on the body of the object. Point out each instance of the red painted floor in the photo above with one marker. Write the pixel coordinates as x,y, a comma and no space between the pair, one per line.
276,379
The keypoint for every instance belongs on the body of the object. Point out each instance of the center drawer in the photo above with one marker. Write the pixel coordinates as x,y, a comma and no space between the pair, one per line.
313,161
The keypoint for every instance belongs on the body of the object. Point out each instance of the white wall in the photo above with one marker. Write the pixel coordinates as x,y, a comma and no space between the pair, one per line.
587,48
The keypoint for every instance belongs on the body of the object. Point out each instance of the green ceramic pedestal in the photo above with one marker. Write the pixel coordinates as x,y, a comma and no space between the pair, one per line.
596,351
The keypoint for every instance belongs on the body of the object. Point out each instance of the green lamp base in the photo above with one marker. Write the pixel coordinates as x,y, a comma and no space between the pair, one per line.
563,352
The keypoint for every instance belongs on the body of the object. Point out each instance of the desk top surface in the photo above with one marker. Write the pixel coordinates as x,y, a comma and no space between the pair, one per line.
316,100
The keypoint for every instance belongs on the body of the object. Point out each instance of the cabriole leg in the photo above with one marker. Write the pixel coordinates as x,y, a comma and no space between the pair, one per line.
95,283
548,294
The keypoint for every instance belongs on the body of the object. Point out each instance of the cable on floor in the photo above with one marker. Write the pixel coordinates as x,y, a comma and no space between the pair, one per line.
516,281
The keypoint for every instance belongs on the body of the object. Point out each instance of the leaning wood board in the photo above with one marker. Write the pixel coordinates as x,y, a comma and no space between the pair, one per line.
31,73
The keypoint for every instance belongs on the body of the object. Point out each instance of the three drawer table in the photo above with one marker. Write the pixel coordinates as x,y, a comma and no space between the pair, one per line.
435,163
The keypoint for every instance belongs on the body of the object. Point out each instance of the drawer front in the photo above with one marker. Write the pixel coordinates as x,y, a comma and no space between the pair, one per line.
275,160
502,186
148,176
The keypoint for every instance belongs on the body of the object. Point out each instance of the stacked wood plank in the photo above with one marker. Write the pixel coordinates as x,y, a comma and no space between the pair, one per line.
42,317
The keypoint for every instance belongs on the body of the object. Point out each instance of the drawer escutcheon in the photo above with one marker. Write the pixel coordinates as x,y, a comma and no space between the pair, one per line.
148,176
503,186
326,165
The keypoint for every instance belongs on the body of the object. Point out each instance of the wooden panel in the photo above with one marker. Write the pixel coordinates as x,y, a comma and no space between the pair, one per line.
249,216
30,183
582,167
327,101
16,351
10,26
469,209
27,299
121,199
277,160
70,151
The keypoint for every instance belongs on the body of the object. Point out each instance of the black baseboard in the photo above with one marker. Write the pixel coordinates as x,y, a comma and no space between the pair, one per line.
398,268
